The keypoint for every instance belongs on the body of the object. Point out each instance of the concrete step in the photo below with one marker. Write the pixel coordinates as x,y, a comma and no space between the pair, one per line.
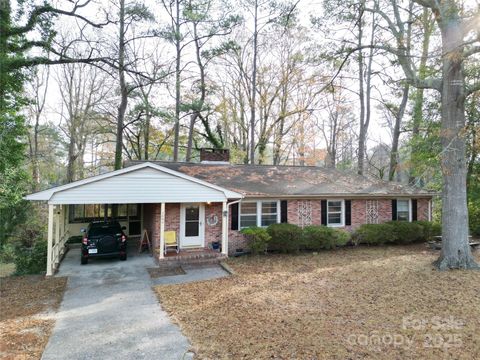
198,261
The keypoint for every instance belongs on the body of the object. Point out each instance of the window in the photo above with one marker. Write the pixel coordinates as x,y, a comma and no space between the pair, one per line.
403,210
259,213
269,213
335,210
122,210
85,213
248,214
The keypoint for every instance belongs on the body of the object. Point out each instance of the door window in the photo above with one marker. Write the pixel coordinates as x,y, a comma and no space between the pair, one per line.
192,221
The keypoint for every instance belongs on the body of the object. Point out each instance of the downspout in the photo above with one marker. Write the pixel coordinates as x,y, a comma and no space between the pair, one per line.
225,215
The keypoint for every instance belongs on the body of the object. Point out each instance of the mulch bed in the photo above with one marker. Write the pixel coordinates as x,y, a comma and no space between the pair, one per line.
168,271
24,305
351,303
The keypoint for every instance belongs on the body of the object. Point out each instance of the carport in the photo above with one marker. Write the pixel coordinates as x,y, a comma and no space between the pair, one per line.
145,183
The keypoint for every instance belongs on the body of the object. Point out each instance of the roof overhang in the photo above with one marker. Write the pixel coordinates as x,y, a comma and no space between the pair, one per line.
342,196
59,194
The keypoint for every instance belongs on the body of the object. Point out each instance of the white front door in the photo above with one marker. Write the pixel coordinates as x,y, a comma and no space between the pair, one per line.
192,230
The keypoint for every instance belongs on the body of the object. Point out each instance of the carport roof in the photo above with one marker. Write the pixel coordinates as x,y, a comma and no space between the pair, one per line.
141,183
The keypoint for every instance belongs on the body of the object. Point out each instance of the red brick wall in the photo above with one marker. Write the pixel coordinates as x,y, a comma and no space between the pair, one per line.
422,209
151,222
213,232
237,240
294,216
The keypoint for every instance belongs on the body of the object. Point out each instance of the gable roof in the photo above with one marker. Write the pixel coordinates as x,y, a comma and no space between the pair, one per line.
143,182
292,181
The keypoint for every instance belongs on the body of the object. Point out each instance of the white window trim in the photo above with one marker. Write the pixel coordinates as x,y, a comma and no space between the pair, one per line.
342,215
409,209
259,211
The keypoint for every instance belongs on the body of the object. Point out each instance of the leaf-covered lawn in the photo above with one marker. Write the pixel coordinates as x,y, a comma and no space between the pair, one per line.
24,322
352,303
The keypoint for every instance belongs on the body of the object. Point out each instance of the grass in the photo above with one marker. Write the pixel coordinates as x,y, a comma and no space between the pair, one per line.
351,303
25,324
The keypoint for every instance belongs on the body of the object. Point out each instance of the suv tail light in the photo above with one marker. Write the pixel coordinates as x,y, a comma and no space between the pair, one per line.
85,241
124,238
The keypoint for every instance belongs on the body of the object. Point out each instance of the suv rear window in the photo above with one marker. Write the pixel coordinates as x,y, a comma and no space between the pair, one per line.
106,229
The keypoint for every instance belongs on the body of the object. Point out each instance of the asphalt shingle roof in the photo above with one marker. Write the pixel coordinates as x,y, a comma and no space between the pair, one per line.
271,180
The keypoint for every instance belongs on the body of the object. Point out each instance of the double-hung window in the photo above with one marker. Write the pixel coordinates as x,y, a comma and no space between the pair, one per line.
259,213
403,210
269,213
335,213
248,214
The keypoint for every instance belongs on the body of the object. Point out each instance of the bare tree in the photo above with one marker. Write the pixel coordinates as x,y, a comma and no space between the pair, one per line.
39,89
460,33
364,83
82,90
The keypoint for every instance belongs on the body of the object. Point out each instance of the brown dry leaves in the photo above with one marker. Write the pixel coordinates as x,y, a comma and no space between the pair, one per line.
24,326
319,306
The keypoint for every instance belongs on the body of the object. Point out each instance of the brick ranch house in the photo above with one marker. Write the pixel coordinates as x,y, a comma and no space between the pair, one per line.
211,201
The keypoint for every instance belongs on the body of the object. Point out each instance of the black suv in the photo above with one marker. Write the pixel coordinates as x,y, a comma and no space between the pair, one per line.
103,238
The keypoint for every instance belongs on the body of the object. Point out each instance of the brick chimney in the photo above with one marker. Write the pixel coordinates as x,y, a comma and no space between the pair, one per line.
211,155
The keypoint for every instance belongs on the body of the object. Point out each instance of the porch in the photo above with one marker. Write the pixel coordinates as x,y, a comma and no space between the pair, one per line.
165,200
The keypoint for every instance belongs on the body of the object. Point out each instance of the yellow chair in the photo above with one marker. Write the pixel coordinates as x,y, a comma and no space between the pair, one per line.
171,241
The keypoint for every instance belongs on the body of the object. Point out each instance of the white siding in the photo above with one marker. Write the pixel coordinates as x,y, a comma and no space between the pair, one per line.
145,185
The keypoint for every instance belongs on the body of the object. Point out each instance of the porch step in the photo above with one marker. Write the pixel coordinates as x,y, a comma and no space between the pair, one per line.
199,257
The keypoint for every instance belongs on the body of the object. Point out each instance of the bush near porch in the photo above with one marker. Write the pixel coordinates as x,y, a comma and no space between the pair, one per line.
326,306
396,232
290,238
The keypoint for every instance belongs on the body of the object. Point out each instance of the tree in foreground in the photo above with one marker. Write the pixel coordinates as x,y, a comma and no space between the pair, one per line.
460,35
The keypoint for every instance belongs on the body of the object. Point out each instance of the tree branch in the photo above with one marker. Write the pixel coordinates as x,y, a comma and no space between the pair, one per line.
45,9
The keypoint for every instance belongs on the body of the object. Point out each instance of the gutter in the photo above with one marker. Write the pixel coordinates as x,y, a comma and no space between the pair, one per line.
226,216
341,196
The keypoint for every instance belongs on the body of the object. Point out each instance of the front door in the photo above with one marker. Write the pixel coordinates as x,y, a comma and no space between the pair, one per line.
192,221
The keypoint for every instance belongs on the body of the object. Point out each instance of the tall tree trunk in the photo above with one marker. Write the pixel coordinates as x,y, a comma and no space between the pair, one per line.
417,115
176,139
396,134
254,86
473,133
146,134
123,89
361,94
193,118
456,251
71,160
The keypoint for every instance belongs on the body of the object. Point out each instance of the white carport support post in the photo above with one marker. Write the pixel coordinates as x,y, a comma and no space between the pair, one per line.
50,240
224,228
162,230
56,243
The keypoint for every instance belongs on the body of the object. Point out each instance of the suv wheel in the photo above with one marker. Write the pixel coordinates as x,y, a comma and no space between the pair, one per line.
84,260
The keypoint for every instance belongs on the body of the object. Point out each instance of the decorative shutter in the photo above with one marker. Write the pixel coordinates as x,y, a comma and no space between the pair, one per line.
283,211
348,212
324,212
394,209
234,212
414,209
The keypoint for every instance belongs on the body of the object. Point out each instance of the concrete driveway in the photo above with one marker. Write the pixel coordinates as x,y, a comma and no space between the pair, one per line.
109,311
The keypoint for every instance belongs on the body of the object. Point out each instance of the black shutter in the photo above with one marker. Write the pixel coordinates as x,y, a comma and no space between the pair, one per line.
394,209
283,211
414,209
234,212
324,212
348,212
